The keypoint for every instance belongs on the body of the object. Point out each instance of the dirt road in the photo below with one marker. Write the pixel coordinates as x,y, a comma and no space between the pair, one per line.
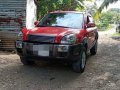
102,71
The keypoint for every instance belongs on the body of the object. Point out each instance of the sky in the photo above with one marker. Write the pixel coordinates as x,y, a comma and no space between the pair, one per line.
114,5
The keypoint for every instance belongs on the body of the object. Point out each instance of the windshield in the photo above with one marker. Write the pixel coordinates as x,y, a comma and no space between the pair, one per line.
66,20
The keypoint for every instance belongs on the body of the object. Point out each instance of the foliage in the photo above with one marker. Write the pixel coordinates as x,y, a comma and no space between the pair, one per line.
92,9
108,18
103,5
45,6
116,14
115,9
116,35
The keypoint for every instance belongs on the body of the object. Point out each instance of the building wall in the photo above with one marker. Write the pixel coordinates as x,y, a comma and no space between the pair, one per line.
30,14
14,14
12,18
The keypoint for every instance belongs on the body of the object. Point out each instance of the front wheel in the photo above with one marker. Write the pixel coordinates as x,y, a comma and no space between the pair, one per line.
79,65
93,50
119,31
26,61
116,29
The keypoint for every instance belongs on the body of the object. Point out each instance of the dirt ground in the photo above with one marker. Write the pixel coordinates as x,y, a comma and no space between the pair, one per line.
102,71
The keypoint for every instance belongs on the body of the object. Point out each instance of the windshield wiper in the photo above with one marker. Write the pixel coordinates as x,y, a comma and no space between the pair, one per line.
42,26
61,26
54,26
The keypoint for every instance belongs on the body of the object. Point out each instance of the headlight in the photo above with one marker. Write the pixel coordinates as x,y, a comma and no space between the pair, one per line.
18,44
20,35
69,39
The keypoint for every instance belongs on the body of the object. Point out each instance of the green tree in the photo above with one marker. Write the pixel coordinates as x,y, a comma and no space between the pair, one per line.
116,11
103,5
108,18
106,4
45,6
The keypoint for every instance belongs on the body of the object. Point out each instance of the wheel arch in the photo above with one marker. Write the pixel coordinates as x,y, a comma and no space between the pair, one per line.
85,43
96,36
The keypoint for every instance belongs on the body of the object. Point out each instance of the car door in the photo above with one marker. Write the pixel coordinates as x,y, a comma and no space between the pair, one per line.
90,28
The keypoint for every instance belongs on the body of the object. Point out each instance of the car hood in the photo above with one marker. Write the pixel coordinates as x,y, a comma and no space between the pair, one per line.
55,31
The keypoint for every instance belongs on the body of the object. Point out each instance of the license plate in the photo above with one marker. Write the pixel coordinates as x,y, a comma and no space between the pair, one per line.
42,50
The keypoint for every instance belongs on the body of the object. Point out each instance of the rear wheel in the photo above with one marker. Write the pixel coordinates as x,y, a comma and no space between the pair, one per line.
26,61
119,31
93,50
116,30
79,65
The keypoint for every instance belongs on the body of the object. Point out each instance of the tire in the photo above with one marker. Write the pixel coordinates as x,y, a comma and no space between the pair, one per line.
116,29
93,50
79,65
26,61
119,31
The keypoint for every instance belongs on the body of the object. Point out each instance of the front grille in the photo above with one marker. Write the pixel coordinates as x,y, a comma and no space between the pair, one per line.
41,38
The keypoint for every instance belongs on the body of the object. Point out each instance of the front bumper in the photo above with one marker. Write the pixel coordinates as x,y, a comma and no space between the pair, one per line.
48,51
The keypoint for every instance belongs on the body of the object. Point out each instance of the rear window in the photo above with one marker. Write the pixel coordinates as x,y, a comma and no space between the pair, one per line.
68,20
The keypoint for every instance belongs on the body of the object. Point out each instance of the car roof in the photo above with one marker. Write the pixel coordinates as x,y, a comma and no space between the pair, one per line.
68,12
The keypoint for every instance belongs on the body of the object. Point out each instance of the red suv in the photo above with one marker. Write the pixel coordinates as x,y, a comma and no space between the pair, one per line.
61,36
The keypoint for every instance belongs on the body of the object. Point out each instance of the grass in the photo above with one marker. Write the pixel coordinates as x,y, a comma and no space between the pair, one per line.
116,34
105,28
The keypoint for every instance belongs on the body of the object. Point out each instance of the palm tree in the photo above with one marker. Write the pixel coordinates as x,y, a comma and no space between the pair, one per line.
106,4
103,5
43,7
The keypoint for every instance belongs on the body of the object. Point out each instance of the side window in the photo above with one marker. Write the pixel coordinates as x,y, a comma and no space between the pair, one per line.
91,19
88,20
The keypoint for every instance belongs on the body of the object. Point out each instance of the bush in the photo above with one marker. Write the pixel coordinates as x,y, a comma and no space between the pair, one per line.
102,26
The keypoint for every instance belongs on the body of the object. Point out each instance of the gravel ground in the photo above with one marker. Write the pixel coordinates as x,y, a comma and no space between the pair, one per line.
102,71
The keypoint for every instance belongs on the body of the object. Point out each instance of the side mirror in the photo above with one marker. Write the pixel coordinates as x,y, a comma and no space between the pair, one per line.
90,25
36,22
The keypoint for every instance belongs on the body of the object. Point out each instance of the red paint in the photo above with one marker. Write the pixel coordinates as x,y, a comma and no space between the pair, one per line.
48,30
54,31
59,32
8,20
24,31
36,22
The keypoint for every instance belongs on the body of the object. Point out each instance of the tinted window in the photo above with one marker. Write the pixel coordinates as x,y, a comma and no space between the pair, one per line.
68,20
90,19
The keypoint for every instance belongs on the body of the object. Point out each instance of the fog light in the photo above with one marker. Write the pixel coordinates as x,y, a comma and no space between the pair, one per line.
63,48
18,44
